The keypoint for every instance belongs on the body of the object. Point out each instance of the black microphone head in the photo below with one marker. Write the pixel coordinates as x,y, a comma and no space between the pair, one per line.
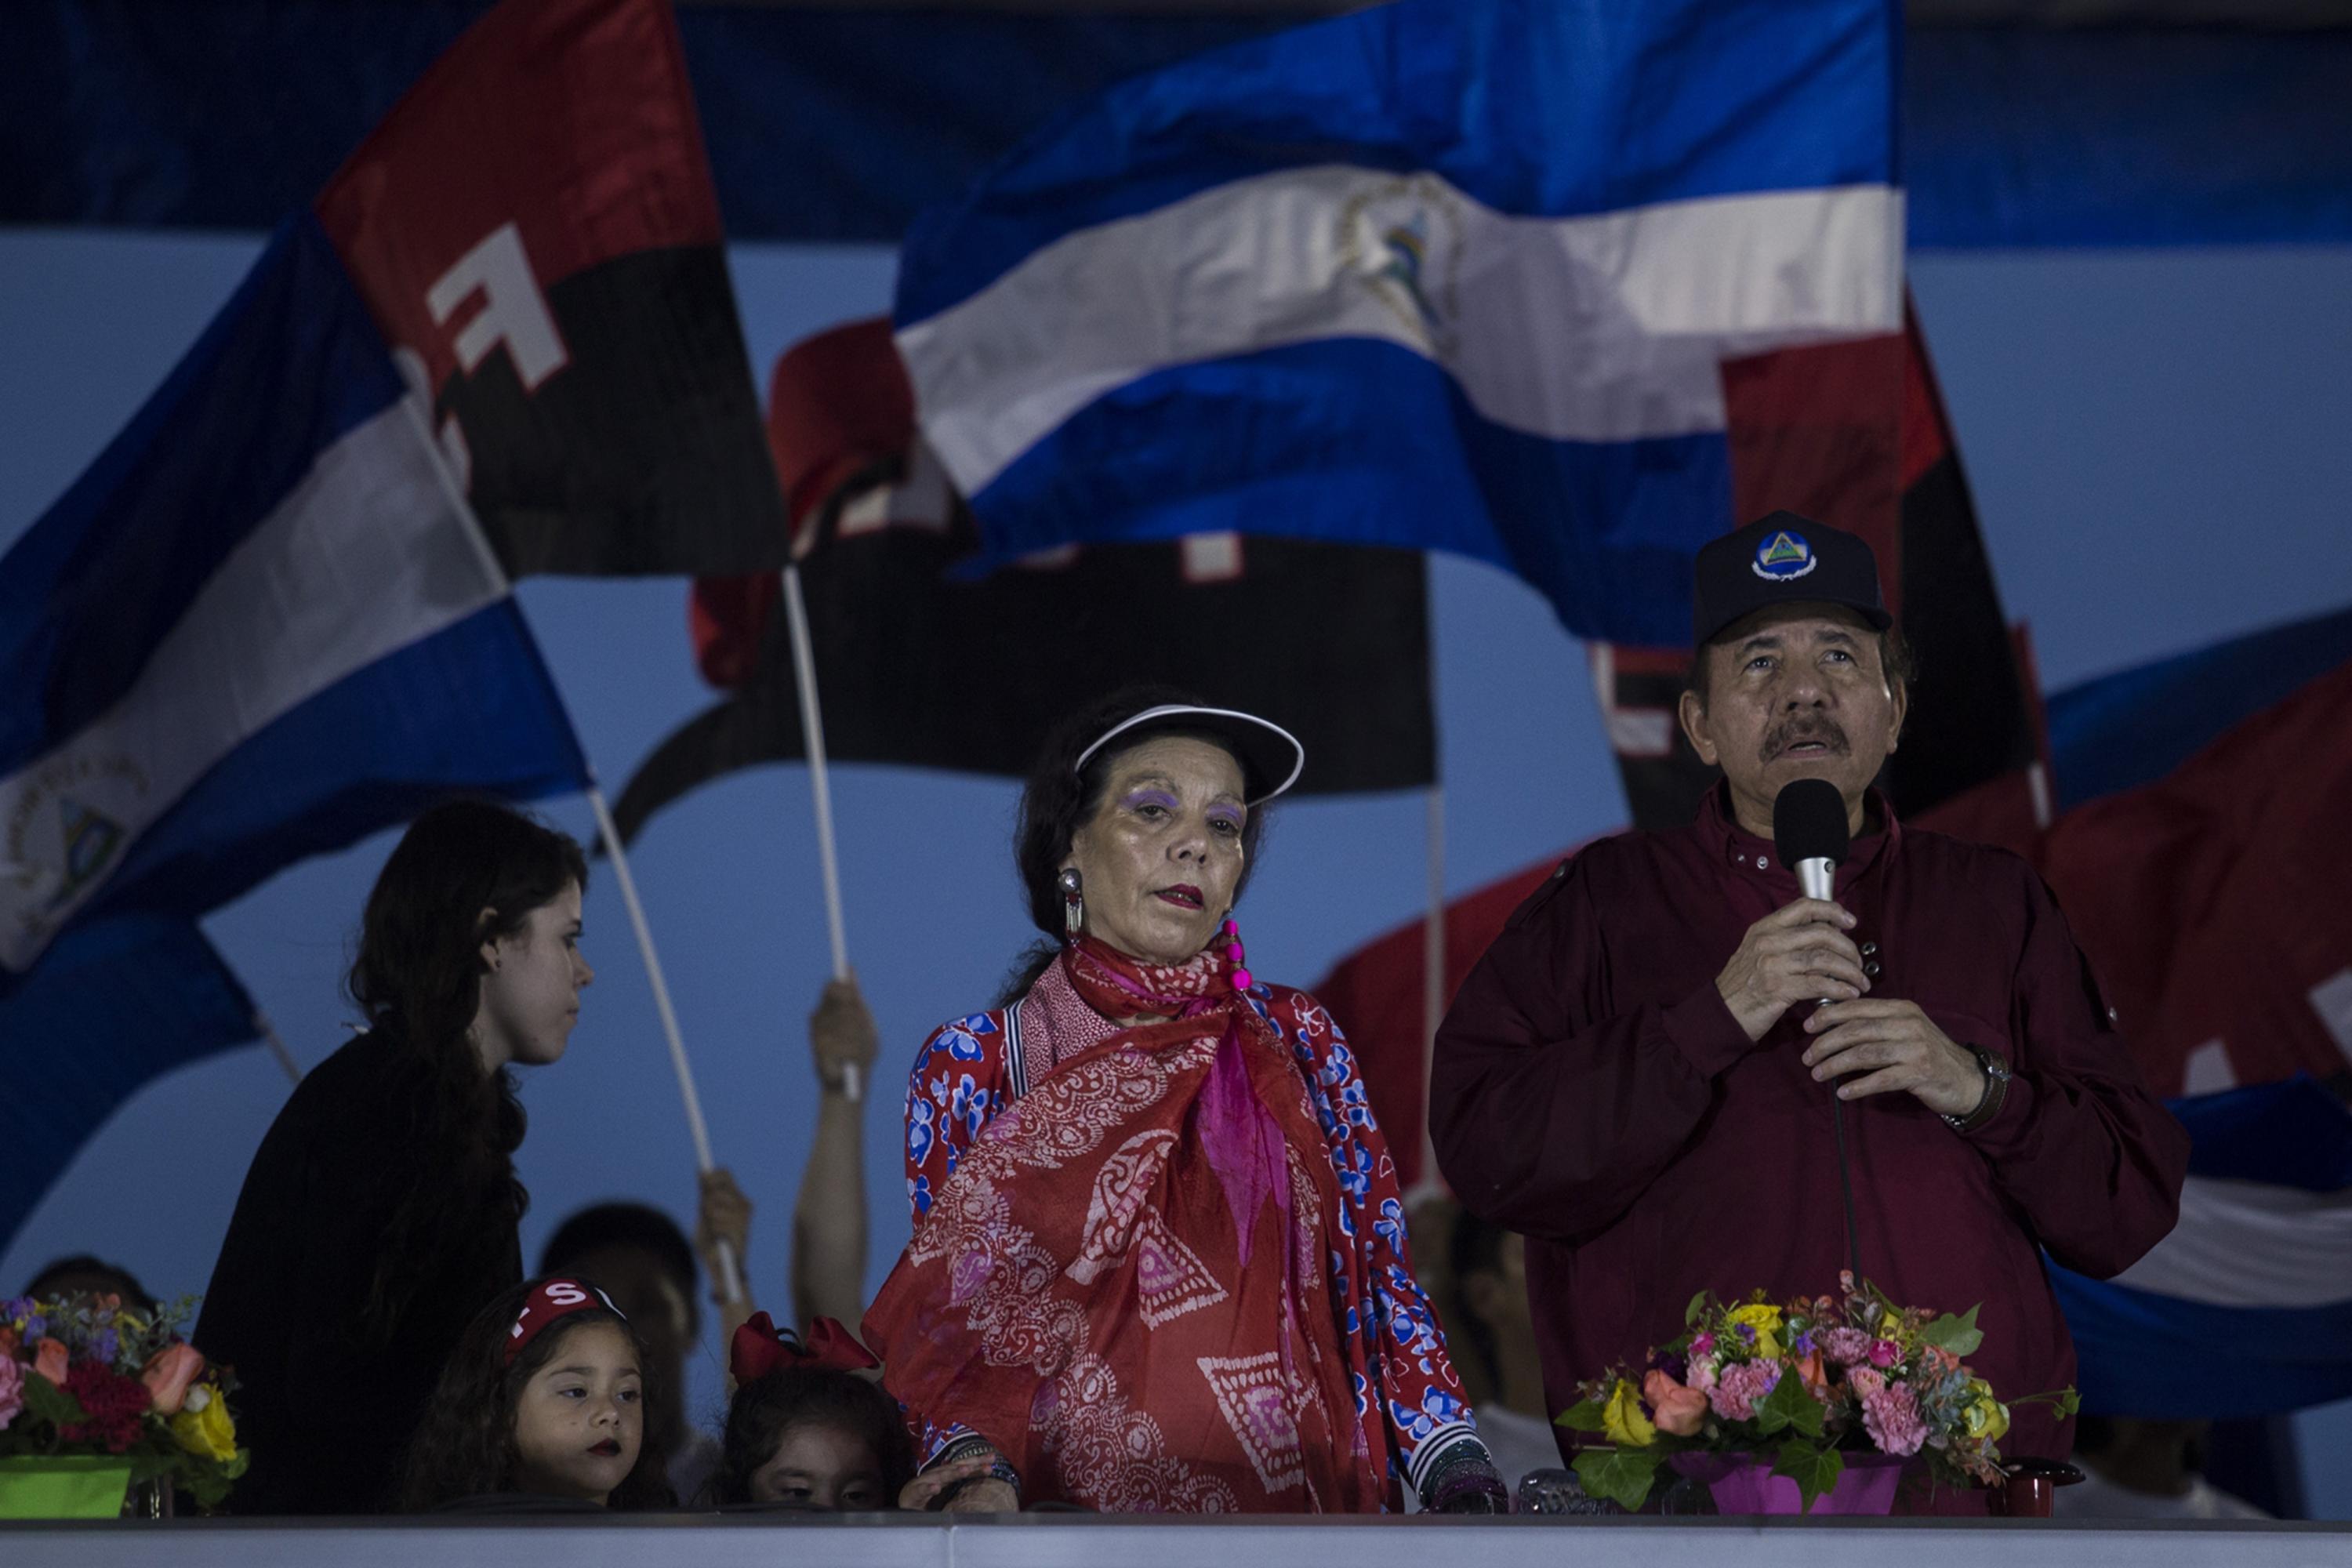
1809,823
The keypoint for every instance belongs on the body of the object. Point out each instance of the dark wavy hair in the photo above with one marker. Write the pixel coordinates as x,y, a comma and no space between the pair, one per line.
466,1444
416,979
1059,799
767,1408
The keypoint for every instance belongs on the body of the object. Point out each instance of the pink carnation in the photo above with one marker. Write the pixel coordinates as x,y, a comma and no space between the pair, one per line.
1702,1374
1846,1346
1737,1388
1865,1382
12,1389
1891,1416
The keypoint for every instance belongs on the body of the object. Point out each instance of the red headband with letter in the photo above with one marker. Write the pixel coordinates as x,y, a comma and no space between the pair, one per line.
760,1347
551,1300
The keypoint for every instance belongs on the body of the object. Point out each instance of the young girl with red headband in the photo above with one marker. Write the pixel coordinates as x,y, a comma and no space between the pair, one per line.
806,1430
544,1398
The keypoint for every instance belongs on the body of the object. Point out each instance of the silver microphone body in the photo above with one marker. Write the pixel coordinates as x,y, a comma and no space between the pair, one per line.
1813,876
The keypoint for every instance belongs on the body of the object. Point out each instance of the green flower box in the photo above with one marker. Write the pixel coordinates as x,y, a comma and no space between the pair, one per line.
72,1486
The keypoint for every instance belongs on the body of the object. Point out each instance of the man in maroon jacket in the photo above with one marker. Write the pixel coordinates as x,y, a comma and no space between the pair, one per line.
1639,1074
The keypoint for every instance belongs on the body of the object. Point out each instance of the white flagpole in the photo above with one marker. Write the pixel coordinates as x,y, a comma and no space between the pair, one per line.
731,1282
819,789
730,1279
277,1046
1433,980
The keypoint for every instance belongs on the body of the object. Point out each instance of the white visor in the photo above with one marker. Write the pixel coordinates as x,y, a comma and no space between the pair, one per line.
1268,753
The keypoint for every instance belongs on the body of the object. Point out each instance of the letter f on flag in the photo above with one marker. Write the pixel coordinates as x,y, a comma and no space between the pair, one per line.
260,627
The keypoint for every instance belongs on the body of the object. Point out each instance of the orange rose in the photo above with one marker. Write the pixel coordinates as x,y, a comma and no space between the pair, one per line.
1674,1409
1809,1369
168,1373
49,1361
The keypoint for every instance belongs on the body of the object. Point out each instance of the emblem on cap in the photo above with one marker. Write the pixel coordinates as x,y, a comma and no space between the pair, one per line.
1783,556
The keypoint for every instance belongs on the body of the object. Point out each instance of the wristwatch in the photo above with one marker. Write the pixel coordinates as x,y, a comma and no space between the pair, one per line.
1996,1090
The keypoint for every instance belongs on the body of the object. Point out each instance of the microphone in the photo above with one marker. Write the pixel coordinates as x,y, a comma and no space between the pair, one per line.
1810,833
1811,836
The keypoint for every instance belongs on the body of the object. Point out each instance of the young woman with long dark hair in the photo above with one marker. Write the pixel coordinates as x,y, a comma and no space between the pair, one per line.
380,1213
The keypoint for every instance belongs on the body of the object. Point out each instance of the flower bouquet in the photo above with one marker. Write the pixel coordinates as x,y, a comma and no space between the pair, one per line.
1803,1385
88,1383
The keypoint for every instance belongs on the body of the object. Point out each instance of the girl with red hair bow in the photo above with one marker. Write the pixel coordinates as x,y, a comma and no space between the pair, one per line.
808,1429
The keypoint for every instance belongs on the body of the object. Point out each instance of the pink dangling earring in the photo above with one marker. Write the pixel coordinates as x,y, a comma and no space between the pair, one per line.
1233,934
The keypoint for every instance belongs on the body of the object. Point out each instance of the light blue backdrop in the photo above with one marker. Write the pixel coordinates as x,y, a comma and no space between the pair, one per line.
2157,446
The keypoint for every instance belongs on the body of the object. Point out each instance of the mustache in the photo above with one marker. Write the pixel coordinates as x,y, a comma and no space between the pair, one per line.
1804,728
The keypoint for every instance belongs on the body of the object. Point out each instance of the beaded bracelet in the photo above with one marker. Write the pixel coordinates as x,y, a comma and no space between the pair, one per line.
999,1468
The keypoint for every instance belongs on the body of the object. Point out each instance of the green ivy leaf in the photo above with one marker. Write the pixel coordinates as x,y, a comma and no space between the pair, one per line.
1622,1474
1959,1335
1814,1469
1691,1312
1584,1416
1789,1407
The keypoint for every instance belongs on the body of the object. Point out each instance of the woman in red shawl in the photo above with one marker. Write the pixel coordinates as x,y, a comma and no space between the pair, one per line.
1158,1261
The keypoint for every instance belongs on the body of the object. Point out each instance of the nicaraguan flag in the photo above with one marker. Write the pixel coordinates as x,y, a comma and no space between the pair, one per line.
2246,1307
1458,274
261,625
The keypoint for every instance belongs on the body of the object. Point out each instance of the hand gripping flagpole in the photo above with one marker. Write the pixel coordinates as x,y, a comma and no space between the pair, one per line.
820,791
730,1279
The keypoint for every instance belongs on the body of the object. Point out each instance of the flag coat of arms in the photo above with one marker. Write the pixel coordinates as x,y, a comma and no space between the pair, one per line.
260,625
1455,274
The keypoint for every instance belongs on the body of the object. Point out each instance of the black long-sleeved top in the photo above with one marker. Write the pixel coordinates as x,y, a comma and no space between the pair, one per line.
326,1408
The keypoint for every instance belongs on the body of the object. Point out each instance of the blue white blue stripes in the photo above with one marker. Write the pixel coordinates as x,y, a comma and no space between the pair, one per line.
262,624
2246,1307
1437,274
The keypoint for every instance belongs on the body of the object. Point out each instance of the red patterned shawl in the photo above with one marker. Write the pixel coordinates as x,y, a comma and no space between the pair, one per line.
1125,1284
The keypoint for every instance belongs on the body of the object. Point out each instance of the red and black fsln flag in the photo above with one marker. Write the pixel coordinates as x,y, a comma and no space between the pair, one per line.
535,229
919,667
1855,435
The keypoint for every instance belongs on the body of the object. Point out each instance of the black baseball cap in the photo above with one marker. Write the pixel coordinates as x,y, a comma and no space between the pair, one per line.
1784,559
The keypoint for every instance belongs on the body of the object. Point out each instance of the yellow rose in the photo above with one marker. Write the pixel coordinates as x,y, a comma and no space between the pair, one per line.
203,1425
1765,1320
1987,1417
1621,1420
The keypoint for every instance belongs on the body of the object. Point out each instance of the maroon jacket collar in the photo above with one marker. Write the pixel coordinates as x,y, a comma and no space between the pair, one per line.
1733,846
